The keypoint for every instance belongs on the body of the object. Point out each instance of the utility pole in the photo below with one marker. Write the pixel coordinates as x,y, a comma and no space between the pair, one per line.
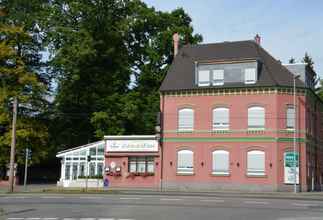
294,137
13,146
26,168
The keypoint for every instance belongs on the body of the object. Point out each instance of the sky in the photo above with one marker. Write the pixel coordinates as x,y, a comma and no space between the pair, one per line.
288,28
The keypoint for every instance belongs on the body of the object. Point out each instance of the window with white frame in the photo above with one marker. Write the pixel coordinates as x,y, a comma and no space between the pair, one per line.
220,162
256,117
218,77
204,77
250,76
220,118
141,164
256,163
185,119
290,117
185,162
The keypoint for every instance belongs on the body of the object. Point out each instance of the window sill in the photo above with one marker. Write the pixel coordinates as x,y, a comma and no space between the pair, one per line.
221,130
184,131
255,130
220,174
249,175
184,174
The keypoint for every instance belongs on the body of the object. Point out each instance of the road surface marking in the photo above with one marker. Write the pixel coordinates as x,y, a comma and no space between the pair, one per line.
69,218
90,197
50,218
126,219
32,218
87,218
14,218
52,197
129,198
15,197
256,202
302,204
212,200
169,199
106,219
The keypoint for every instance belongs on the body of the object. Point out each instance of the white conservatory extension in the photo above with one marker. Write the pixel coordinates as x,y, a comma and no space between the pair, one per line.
75,167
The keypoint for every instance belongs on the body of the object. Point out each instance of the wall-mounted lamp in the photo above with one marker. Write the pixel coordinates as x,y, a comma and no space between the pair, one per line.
202,164
156,163
238,164
271,165
171,163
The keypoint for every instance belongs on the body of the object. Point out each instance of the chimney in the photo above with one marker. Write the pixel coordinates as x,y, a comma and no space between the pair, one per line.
258,39
175,42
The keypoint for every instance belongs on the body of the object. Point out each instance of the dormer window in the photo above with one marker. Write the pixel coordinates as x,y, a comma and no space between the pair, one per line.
250,76
222,74
203,77
218,77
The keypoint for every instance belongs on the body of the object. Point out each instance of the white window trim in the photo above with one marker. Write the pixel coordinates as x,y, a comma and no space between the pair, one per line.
203,83
256,172
253,81
214,172
185,170
220,126
185,128
287,127
217,81
257,128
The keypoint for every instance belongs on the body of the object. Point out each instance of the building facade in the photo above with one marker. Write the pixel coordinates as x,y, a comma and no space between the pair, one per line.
229,121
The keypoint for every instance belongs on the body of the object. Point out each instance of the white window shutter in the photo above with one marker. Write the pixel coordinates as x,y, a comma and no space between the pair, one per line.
220,162
256,117
185,119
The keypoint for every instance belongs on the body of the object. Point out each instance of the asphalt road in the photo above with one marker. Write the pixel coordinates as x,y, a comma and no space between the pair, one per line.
154,207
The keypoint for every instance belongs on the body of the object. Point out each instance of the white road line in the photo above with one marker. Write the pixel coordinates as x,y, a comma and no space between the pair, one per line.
256,202
32,218
302,204
15,197
87,218
126,219
169,199
130,198
14,218
69,218
50,218
52,197
211,200
106,219
90,197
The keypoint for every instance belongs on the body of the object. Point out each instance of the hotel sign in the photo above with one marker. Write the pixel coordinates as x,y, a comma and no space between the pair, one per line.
132,146
290,163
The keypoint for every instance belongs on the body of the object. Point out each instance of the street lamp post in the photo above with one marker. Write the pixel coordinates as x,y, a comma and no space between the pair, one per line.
294,139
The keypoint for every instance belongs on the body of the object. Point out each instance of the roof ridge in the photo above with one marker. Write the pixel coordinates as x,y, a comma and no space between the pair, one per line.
223,42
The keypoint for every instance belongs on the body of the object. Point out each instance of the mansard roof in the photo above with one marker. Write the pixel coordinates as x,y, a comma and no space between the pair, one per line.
181,75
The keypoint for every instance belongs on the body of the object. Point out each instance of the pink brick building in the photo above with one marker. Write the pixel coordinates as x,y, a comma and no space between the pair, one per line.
228,121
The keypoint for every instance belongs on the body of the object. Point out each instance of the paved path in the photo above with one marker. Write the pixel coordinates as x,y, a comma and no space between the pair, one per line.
151,207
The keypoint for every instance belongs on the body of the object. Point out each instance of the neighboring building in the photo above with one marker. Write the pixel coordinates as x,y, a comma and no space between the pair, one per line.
228,120
117,161
75,167
132,161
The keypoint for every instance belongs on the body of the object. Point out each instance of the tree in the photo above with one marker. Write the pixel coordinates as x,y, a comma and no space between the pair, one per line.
97,46
23,76
291,60
18,81
309,61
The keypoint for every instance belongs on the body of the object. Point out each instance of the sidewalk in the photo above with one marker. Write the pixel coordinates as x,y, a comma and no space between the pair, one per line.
53,189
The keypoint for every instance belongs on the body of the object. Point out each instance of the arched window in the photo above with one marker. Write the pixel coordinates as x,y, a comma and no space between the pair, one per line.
185,162
220,162
185,119
256,117
220,119
256,163
290,117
